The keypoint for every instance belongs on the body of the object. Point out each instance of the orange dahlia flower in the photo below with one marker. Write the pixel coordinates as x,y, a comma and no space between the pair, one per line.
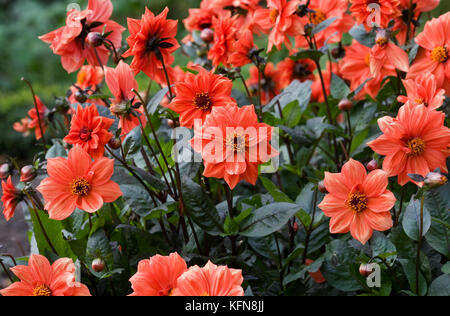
40,278
152,41
415,142
90,131
198,94
158,275
88,79
244,47
70,42
389,9
10,198
423,90
201,18
121,82
358,202
35,117
433,56
78,182
242,9
384,53
301,70
270,82
280,21
224,39
211,280
233,144
355,67
323,10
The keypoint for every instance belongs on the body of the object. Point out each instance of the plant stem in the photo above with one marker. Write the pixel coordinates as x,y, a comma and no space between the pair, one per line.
419,245
6,271
229,195
38,114
402,196
310,229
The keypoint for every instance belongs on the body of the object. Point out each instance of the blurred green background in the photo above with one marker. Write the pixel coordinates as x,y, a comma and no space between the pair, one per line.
23,55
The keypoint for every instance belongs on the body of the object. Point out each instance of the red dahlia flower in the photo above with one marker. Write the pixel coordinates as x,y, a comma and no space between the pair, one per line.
10,198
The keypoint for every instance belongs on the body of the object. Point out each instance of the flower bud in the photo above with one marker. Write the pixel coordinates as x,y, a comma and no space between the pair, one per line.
119,108
95,39
207,35
114,143
80,96
345,105
27,174
322,187
373,165
435,179
365,270
295,227
171,123
338,52
98,265
4,171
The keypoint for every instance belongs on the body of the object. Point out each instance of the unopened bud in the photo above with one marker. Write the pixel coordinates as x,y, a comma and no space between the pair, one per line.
373,165
27,174
365,270
322,187
95,39
295,227
114,143
345,105
4,171
435,179
98,265
207,35
119,108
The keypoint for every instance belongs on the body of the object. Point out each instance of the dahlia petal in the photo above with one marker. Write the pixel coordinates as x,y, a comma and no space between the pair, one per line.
353,172
40,269
79,161
340,223
103,170
382,203
375,183
59,170
61,207
91,203
380,221
336,184
109,191
360,229
17,289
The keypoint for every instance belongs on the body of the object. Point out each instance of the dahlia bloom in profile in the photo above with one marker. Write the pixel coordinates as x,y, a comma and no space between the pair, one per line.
355,67
121,83
415,142
10,198
279,21
224,39
199,94
385,52
152,41
244,47
358,202
211,280
35,116
423,90
233,144
23,126
40,278
389,9
158,275
90,131
433,56
88,79
78,182
301,70
70,41
323,10
270,82
401,23
316,276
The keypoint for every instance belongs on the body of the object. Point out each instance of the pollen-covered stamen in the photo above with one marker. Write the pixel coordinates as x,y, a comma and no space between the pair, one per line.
273,15
237,142
202,101
417,146
357,202
85,134
439,54
317,17
382,38
80,187
42,290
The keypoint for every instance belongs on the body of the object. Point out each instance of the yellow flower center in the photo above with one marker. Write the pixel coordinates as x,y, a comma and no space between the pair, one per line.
382,41
237,142
419,101
357,202
273,15
439,54
317,17
42,290
417,146
80,187
202,101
